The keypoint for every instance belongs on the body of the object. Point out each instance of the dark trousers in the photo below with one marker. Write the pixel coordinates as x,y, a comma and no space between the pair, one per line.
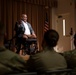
18,44
26,45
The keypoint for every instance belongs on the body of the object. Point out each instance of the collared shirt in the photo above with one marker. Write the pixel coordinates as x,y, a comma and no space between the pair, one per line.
27,30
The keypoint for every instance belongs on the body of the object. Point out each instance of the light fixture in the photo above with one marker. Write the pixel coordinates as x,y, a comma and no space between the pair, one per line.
64,27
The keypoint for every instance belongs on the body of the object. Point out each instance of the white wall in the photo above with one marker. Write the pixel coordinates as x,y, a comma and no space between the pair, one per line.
65,7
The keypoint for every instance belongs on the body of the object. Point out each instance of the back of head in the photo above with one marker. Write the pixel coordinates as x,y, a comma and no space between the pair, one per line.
2,31
51,37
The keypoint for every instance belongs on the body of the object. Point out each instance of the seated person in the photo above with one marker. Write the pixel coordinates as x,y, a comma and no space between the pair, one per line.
48,58
10,62
24,31
70,56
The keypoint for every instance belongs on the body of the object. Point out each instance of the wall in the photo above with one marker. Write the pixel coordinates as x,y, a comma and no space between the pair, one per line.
67,6
65,9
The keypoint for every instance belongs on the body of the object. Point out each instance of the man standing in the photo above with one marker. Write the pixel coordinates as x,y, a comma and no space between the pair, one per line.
23,31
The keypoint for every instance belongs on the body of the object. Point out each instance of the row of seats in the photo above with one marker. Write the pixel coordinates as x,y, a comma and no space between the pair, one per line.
54,72
28,73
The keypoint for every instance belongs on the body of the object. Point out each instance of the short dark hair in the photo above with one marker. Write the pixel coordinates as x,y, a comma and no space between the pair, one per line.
51,37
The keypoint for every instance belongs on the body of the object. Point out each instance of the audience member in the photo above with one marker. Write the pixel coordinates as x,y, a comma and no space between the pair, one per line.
70,56
10,62
48,58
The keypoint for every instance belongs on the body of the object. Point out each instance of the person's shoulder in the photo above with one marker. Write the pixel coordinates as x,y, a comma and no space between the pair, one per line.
10,53
28,23
43,52
37,53
73,52
19,22
13,56
70,52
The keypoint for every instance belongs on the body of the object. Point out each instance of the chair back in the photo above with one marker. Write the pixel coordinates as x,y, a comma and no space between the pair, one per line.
28,73
59,72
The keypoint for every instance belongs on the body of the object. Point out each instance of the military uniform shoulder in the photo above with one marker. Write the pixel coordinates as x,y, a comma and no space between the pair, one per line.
2,49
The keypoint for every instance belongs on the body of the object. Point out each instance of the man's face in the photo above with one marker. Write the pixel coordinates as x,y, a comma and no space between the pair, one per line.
24,17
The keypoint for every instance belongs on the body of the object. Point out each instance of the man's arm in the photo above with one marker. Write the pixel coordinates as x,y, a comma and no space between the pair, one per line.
33,35
19,29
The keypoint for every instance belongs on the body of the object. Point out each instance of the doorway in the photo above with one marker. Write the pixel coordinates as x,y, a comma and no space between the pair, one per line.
63,27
